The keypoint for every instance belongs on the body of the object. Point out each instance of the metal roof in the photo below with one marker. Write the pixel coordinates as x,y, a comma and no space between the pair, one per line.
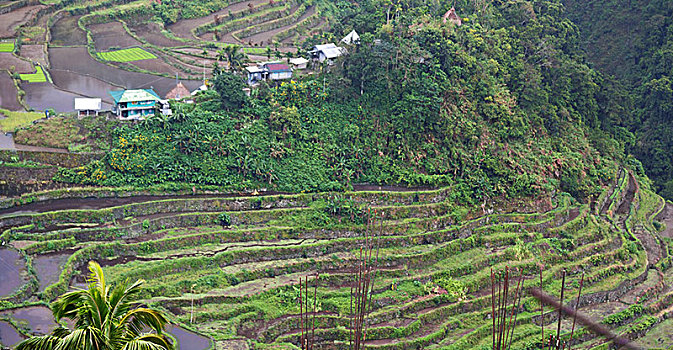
82,104
134,95
278,67
298,61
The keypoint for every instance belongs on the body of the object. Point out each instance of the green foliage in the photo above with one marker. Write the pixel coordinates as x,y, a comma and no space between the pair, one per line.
230,87
224,219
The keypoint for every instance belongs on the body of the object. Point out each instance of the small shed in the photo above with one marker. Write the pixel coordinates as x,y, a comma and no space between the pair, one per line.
299,63
178,92
87,106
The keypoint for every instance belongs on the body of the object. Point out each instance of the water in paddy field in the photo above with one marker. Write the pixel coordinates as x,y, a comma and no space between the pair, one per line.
188,340
11,264
9,336
7,141
48,268
39,319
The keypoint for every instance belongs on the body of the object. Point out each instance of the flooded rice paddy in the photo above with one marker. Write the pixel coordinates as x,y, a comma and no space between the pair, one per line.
9,336
65,32
8,93
48,268
11,267
39,319
188,340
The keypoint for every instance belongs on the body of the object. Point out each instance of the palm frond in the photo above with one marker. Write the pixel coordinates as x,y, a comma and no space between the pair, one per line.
140,317
96,277
45,342
88,338
148,342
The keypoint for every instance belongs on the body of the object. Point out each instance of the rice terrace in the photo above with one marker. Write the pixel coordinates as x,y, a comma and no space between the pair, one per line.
330,174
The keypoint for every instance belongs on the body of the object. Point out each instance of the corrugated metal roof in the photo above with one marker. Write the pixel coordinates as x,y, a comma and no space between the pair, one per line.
278,67
134,95
82,104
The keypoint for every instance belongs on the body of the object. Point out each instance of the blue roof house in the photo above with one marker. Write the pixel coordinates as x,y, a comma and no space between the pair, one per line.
134,104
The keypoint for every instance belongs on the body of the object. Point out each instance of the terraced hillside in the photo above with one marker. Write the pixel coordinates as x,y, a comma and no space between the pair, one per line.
228,267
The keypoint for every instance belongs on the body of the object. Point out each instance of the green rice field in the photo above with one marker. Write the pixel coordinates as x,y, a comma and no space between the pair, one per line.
6,46
126,55
37,77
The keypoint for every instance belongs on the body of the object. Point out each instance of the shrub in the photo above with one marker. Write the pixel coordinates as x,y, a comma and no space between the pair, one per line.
224,219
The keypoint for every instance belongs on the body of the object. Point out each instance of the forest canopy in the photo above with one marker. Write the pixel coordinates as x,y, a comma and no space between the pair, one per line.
503,105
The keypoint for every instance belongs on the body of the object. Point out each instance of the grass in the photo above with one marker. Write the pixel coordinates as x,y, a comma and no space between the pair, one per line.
37,77
56,132
255,50
127,55
7,47
17,119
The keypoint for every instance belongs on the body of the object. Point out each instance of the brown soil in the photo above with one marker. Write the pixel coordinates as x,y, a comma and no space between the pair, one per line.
666,217
9,21
34,53
183,28
8,60
111,34
152,33
625,206
8,93
265,37
65,32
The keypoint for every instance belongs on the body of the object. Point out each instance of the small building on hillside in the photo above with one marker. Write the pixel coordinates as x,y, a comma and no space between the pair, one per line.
88,106
277,71
178,92
299,63
134,104
255,74
353,38
327,52
452,17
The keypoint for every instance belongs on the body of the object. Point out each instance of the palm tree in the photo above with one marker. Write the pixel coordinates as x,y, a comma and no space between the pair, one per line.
105,319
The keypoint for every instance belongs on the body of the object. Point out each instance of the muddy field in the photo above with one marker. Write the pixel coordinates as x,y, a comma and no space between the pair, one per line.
111,35
8,60
34,53
65,32
152,33
9,21
77,59
8,93
183,28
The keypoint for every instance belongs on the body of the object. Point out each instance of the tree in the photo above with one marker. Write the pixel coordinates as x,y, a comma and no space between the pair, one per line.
105,319
230,87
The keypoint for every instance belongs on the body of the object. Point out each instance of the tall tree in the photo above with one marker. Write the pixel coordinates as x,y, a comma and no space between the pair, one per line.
105,319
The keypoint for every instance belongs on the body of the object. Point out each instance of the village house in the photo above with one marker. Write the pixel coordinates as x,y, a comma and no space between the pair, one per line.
353,38
88,106
277,71
134,104
327,52
268,71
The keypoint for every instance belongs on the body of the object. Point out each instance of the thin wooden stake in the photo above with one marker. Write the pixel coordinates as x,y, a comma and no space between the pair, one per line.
577,305
558,327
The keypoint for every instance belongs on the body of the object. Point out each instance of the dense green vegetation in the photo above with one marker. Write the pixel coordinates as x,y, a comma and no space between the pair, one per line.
632,41
480,106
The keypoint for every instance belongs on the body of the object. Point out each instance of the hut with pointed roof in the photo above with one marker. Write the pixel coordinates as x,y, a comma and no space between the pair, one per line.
178,92
451,16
